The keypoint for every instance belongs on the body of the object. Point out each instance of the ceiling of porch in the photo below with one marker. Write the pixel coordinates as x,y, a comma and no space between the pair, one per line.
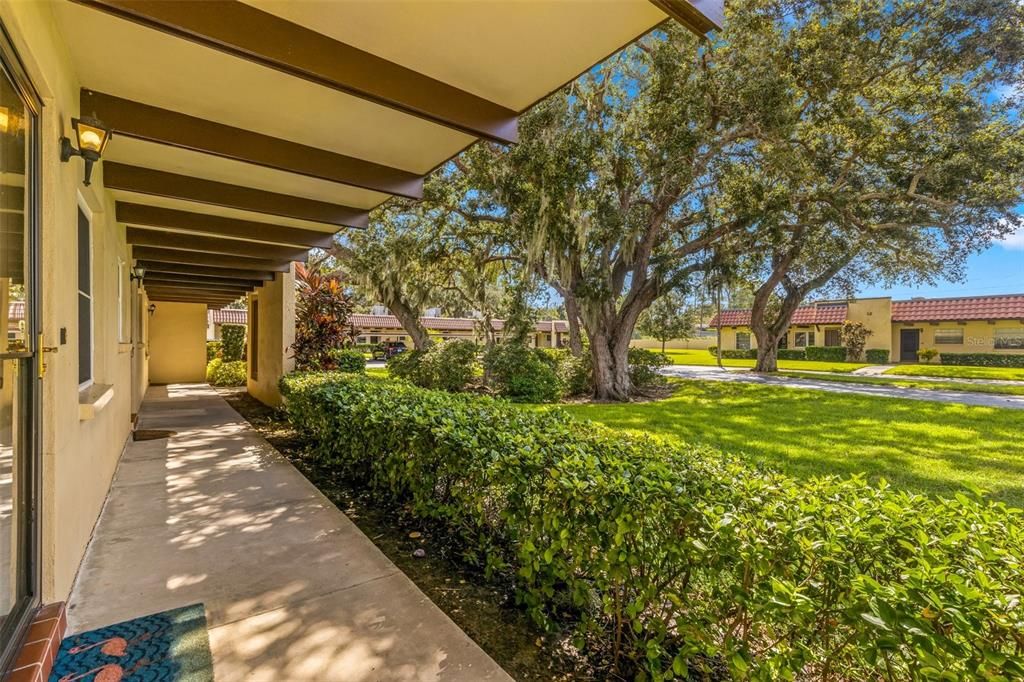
246,133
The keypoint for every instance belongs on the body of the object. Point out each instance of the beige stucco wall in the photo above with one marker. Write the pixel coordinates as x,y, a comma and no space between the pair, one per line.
177,343
78,457
276,302
876,315
699,343
979,336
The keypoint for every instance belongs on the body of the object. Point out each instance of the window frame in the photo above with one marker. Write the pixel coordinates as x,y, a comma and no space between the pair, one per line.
746,336
839,338
957,330
84,210
1011,332
808,339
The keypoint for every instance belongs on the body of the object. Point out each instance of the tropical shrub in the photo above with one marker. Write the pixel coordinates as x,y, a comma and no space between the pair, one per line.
643,367
877,356
825,353
854,336
522,374
322,310
575,372
682,561
214,349
926,355
221,373
448,365
982,359
232,337
348,360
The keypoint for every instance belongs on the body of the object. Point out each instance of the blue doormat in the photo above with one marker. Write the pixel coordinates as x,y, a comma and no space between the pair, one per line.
170,646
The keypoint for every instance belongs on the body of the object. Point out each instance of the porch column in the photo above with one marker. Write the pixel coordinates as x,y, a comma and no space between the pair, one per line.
270,336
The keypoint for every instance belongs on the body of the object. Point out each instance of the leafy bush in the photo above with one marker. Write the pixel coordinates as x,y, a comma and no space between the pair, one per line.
349,360
713,350
680,558
792,354
232,336
877,356
982,359
322,310
448,365
750,354
575,372
214,349
854,336
825,353
220,373
926,355
643,367
522,374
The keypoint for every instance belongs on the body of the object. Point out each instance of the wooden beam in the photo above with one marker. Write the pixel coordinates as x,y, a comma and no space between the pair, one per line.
203,271
699,16
231,284
155,216
186,188
158,294
252,34
236,262
196,242
202,293
161,277
145,122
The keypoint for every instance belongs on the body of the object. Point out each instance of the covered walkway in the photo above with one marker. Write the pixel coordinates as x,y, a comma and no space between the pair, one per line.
293,590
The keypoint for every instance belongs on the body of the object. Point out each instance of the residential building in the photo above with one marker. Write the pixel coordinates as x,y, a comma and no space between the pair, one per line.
967,324
216,317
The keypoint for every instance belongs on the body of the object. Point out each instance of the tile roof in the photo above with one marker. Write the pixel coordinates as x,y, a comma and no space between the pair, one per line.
16,310
1001,307
818,313
229,316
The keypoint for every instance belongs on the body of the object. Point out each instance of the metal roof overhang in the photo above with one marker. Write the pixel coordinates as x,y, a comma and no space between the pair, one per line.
247,132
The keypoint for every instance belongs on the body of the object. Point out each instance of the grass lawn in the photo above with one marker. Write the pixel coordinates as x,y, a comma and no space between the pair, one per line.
702,357
999,389
960,372
916,445
380,372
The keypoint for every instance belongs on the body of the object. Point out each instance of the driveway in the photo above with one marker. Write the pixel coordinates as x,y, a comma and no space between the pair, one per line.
961,397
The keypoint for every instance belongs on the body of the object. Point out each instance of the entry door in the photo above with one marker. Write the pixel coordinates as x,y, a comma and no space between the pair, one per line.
19,346
910,343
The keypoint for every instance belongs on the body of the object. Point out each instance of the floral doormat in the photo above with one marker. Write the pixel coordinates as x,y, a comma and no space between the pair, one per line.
170,646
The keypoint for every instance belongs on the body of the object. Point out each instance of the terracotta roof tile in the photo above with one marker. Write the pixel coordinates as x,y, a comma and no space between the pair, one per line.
1002,307
228,316
819,313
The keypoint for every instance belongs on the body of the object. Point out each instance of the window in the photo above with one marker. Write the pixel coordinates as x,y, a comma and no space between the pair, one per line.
1010,338
949,336
84,299
254,343
742,340
803,339
374,339
832,338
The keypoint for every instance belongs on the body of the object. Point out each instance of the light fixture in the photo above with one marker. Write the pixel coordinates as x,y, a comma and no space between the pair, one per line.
151,308
92,138
137,273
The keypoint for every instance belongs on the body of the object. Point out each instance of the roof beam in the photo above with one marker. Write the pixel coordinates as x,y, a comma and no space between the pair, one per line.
197,242
219,260
186,188
219,301
159,279
181,269
197,291
145,122
257,36
155,216
699,16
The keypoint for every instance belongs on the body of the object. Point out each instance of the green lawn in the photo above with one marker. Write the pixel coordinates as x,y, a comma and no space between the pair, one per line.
920,446
702,357
959,372
999,389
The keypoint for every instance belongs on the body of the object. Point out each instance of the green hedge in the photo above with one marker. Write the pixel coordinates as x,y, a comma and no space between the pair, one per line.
739,354
825,353
220,373
877,356
232,337
982,359
214,349
681,558
348,359
522,374
792,354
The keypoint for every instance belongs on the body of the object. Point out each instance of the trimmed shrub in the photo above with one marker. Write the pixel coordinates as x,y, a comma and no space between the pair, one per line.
825,353
448,365
682,559
214,349
232,336
643,367
522,374
221,373
349,359
982,359
713,350
926,355
792,354
750,354
877,356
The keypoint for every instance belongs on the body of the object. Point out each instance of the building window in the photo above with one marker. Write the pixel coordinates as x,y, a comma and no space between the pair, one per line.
254,338
742,340
947,337
374,339
832,338
84,300
803,339
1010,338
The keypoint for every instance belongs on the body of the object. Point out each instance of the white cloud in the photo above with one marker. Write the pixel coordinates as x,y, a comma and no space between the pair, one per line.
1014,240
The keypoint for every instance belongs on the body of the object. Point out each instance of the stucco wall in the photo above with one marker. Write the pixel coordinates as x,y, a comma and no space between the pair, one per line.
276,333
177,343
876,315
78,457
979,336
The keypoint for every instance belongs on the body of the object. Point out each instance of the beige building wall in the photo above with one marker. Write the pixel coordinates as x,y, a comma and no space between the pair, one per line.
978,336
177,343
83,431
876,315
698,343
270,334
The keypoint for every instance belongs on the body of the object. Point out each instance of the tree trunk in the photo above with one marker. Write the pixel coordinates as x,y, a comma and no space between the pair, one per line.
572,312
410,322
611,368
662,345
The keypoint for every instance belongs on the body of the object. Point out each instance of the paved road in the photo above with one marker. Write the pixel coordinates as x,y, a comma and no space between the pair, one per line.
962,397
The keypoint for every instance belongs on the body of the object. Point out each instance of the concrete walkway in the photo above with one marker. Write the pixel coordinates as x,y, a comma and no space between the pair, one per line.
940,396
293,590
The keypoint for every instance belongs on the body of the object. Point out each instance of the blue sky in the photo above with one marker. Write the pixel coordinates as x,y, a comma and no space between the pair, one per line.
999,270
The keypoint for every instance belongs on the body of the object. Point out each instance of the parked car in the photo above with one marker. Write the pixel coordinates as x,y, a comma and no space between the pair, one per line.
388,350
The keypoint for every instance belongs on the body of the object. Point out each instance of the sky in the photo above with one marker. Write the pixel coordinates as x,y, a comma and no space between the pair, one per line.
998,270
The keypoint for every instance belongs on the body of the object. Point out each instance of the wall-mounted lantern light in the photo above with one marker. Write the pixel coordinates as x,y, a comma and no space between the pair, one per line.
151,308
137,273
92,138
